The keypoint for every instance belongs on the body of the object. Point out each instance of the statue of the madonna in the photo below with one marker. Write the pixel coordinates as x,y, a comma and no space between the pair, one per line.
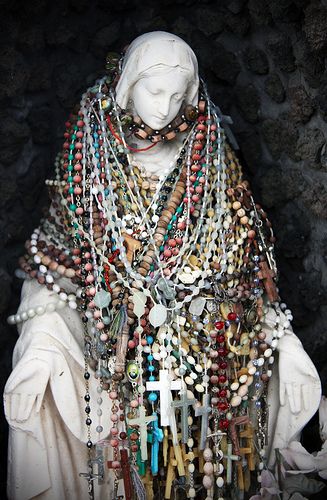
154,352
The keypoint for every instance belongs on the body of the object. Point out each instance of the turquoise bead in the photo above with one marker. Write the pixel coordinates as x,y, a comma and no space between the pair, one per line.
152,397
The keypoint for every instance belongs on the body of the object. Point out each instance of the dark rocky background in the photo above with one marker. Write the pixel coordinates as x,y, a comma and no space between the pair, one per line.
264,62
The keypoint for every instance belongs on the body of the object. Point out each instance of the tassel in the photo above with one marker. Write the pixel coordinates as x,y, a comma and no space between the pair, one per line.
137,483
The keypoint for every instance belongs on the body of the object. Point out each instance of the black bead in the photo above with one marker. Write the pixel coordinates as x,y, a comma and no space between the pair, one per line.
88,421
84,319
87,397
87,409
86,375
89,444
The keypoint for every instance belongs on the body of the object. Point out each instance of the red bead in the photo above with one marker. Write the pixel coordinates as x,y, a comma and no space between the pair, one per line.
221,339
222,406
222,351
232,316
223,424
219,325
223,365
222,379
222,393
134,448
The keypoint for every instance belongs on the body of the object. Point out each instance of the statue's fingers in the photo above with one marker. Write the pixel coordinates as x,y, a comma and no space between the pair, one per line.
23,407
282,393
297,398
14,405
290,396
306,396
39,400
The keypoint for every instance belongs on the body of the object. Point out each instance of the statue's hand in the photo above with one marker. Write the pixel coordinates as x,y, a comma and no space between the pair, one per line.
25,388
297,374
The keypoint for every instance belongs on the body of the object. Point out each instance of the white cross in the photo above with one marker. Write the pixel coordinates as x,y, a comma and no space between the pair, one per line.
165,385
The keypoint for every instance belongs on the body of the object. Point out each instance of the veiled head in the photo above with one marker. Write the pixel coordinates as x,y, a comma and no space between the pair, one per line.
159,75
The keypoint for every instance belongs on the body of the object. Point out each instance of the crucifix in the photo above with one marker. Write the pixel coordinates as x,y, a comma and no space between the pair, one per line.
230,458
165,385
183,403
266,275
90,477
131,245
203,412
126,472
236,421
155,437
142,421
248,434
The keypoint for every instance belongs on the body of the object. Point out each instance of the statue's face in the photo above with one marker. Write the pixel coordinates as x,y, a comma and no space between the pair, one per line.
158,99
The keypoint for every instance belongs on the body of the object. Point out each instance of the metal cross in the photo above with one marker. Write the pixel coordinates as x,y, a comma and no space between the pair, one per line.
203,412
183,403
165,385
142,421
90,477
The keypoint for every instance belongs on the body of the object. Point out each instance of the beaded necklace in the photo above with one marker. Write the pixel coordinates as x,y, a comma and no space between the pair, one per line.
172,276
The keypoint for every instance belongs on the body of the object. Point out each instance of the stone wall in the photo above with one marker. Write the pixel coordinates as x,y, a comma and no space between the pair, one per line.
264,62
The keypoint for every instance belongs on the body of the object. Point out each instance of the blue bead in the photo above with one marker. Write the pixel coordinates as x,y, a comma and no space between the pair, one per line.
152,378
151,368
150,357
152,397
149,339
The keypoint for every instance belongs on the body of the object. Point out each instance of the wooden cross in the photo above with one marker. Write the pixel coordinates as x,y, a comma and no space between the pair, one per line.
243,478
183,403
172,464
155,437
248,434
148,483
165,385
266,275
204,411
142,421
230,458
132,246
126,472
236,421
178,454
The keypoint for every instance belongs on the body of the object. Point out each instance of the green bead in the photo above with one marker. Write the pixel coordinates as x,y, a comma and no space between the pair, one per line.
73,137
70,157
72,207
161,248
70,168
151,267
174,218
169,227
166,237
196,183
179,210
71,190
71,146
75,127
70,178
